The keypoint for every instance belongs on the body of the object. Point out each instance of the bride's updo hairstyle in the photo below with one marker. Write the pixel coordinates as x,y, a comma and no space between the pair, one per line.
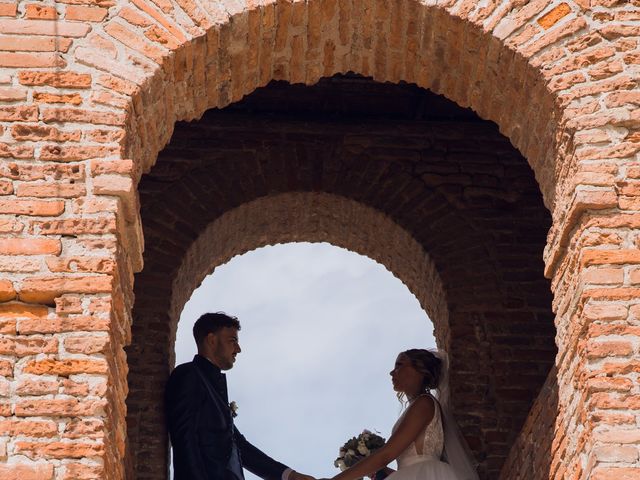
428,364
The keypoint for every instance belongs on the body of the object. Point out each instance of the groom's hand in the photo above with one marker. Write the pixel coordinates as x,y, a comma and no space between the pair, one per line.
300,476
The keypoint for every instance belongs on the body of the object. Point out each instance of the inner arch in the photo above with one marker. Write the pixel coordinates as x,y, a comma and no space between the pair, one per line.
435,172
321,327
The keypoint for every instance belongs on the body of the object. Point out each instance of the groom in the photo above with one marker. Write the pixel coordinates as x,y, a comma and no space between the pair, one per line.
206,444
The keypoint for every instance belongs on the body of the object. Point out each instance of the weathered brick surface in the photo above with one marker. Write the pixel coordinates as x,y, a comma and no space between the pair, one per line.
89,95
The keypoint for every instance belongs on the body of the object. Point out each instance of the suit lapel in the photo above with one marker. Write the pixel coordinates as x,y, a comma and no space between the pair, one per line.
214,394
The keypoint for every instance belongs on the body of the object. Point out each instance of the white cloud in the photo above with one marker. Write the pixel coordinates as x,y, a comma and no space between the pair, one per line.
321,327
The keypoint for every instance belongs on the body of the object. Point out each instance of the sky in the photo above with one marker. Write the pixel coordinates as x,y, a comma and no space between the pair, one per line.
321,329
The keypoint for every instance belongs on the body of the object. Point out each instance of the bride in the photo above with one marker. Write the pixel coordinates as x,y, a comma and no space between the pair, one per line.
426,445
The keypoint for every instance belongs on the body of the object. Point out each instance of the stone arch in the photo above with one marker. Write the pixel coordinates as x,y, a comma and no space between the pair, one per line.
129,71
447,186
312,217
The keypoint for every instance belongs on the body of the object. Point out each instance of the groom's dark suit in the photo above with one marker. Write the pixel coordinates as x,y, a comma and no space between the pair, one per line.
206,444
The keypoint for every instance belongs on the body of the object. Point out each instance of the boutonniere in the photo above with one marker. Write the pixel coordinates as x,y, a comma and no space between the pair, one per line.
233,406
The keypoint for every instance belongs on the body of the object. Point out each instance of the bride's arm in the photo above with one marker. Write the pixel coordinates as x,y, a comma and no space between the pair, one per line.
417,417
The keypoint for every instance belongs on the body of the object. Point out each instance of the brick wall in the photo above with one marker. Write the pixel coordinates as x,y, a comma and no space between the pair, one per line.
90,93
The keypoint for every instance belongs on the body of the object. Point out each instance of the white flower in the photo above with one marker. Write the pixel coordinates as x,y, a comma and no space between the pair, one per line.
362,449
351,452
341,465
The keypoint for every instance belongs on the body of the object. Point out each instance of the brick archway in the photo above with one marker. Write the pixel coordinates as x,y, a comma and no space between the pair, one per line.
85,115
435,194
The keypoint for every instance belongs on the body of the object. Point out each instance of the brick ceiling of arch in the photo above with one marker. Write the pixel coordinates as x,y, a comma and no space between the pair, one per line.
436,170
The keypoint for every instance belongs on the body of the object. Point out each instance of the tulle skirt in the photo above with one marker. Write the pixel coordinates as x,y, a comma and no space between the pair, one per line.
429,469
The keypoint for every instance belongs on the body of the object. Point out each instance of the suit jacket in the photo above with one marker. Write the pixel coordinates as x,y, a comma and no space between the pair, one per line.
206,444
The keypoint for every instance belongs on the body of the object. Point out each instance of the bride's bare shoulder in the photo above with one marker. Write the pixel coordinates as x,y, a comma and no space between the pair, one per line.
424,403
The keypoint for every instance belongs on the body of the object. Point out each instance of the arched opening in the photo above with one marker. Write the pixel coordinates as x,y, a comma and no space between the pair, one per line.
321,327
393,172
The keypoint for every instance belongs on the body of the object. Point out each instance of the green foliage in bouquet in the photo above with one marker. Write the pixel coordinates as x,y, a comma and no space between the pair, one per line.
357,448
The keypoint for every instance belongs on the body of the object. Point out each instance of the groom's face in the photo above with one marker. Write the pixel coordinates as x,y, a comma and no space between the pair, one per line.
224,347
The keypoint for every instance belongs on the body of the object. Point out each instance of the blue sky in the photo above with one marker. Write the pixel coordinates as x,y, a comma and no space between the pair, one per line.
321,328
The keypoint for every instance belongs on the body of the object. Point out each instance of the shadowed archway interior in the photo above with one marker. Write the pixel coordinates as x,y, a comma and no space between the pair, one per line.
443,175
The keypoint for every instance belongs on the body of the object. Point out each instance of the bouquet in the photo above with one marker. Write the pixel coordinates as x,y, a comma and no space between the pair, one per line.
358,448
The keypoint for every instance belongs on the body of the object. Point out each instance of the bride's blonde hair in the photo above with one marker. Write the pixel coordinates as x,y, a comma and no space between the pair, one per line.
428,364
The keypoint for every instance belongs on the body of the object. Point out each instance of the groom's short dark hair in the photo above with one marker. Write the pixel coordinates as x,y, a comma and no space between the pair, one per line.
212,323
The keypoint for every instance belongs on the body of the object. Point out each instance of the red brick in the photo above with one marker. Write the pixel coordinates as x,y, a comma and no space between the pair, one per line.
11,225
31,59
134,41
55,79
18,114
604,384
68,304
21,152
88,14
74,153
45,27
45,289
166,7
161,36
34,43
20,310
7,291
618,436
59,408
66,367
24,471
96,117
135,17
611,32
40,12
76,226
7,327
8,9
78,389
605,257
107,167
28,428
6,188
70,98
609,349
6,368
634,276
83,471
39,132
622,368
32,387
12,94
29,246
84,428
60,450
118,85
97,58
86,345
47,189
604,276
60,325
599,329
616,453
555,15
106,136
41,171
22,347
81,264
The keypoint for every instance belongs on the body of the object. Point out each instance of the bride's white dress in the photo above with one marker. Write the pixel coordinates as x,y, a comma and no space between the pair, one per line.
421,459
